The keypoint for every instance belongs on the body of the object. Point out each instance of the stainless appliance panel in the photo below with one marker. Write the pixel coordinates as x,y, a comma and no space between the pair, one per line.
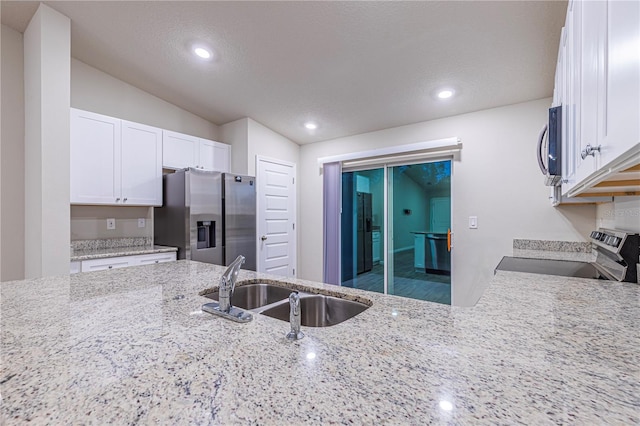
240,219
204,192
171,221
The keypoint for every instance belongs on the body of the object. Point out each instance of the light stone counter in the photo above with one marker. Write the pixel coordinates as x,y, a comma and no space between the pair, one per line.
102,253
555,255
131,346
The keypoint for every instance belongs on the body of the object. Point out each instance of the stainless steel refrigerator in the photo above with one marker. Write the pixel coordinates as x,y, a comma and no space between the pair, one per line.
364,233
209,216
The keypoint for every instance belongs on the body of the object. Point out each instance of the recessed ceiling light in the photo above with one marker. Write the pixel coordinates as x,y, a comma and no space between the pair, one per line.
201,52
311,126
445,94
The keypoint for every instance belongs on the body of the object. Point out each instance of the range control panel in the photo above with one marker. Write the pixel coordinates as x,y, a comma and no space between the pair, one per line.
618,253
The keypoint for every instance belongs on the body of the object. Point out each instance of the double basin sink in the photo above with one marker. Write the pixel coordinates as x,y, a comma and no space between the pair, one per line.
316,310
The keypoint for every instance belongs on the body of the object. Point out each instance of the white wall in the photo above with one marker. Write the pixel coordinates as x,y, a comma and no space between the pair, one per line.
96,91
236,134
408,195
12,157
47,47
265,142
90,222
623,214
495,178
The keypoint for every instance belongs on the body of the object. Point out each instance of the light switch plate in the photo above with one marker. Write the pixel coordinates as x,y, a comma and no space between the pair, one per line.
111,224
141,222
473,222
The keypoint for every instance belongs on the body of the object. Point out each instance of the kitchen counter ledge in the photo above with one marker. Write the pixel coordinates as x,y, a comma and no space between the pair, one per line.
132,346
103,253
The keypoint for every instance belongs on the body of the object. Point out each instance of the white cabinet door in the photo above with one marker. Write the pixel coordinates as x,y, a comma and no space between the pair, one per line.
215,156
104,264
375,246
147,259
95,158
620,99
141,164
179,151
222,157
585,62
207,152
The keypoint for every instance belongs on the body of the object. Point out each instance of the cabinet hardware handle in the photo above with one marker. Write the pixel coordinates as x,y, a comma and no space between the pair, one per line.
110,267
117,199
125,199
264,238
590,150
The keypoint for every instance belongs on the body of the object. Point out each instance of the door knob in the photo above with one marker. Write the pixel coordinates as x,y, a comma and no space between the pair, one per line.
263,238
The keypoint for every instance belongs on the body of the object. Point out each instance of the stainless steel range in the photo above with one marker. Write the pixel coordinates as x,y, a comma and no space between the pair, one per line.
617,255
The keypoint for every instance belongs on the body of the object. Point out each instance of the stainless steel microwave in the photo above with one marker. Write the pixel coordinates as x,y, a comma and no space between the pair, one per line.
550,148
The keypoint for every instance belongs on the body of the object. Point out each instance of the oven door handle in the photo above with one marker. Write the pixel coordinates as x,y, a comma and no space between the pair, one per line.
541,163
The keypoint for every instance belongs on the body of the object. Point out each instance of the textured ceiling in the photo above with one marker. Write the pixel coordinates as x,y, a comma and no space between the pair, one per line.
352,67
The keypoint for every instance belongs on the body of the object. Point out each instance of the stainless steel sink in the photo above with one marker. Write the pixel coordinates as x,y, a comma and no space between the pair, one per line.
252,296
272,300
318,310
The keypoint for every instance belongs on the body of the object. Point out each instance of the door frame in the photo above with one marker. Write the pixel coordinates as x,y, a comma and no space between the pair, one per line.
294,208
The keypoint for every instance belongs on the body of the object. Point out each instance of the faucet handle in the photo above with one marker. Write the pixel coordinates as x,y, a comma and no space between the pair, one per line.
294,317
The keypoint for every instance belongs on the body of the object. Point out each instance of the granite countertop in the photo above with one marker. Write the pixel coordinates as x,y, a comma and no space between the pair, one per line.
100,253
555,255
132,346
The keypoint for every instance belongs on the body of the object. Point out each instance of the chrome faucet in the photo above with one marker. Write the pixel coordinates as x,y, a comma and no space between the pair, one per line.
294,317
223,307
228,283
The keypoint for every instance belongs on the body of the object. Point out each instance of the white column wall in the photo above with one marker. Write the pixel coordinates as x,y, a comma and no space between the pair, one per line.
12,157
47,55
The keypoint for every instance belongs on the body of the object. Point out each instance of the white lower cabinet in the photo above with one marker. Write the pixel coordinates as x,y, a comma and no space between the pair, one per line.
146,259
121,262
107,263
375,242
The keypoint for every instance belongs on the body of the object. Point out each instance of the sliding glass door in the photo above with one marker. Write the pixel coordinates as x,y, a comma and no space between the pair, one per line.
419,218
395,230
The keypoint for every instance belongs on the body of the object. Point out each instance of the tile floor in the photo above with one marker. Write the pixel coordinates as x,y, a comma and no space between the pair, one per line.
407,281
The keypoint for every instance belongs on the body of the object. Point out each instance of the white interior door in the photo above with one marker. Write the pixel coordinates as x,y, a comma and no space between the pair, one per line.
440,214
276,217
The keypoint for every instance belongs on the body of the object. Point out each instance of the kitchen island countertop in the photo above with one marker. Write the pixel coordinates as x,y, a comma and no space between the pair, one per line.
132,346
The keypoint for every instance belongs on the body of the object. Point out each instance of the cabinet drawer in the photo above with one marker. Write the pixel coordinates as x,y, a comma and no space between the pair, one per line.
108,263
146,259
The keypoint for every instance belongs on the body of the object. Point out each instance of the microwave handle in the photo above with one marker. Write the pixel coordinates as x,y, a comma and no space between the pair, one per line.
543,131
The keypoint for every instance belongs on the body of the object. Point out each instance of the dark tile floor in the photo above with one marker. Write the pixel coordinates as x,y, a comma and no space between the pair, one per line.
407,282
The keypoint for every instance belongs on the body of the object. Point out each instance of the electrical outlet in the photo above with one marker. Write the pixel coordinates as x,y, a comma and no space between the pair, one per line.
142,222
111,224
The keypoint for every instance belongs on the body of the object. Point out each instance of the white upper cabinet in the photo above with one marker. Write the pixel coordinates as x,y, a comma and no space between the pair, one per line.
114,162
180,151
601,82
95,158
141,164
221,157
620,89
